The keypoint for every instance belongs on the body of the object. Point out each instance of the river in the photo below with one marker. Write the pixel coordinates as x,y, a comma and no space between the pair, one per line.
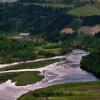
65,71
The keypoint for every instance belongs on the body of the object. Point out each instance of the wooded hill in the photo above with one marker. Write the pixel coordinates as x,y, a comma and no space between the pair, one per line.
16,17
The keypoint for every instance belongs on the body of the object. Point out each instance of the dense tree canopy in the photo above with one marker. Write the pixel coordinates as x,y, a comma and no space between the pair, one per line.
18,17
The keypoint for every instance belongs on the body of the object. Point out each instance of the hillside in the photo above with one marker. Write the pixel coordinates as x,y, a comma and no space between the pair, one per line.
36,19
31,18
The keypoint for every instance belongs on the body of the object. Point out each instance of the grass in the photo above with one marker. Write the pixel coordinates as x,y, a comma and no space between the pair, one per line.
76,98
54,49
55,5
21,78
88,10
31,65
67,91
50,50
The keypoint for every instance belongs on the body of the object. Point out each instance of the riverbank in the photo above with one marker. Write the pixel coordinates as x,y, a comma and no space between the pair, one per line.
29,61
67,91
30,65
21,78
91,63
25,78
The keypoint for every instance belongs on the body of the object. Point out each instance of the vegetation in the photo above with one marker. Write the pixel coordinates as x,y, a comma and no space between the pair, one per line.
69,91
17,17
47,1
92,63
21,78
89,10
57,5
45,21
31,65
60,1
15,50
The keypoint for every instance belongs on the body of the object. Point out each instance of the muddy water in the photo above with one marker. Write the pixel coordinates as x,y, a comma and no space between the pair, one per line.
65,71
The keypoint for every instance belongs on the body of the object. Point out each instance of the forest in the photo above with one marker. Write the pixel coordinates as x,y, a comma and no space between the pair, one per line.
16,17
91,62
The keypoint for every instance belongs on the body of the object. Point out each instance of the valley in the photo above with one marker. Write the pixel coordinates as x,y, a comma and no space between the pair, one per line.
49,50
65,71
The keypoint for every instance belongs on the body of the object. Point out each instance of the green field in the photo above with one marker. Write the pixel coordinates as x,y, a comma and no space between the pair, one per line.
67,91
31,65
88,10
21,78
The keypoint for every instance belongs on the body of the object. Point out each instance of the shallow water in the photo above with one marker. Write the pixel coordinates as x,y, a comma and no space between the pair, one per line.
65,71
